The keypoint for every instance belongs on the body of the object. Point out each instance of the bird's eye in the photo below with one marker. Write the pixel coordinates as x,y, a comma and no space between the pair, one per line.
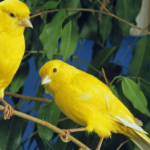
11,15
54,70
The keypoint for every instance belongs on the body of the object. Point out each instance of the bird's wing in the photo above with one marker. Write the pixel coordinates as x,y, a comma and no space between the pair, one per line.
93,90
119,113
90,88
130,125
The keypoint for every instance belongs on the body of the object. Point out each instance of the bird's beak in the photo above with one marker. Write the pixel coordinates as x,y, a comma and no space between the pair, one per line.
45,80
26,22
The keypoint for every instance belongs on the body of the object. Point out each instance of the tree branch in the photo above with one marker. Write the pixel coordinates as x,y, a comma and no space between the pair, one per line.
48,125
104,3
97,11
60,120
104,75
122,144
76,57
29,137
28,98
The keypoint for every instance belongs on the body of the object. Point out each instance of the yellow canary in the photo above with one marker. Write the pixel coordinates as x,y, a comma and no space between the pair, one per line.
90,103
14,16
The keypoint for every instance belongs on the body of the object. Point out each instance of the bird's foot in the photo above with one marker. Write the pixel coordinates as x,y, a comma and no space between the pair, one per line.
66,137
8,110
67,131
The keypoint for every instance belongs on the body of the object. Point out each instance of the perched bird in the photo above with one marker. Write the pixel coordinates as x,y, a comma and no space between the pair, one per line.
14,16
90,103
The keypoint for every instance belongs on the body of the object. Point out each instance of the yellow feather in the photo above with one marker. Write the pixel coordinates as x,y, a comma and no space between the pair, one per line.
89,102
14,16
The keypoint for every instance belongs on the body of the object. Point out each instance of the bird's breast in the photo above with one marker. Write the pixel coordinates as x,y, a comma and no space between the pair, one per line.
11,53
70,105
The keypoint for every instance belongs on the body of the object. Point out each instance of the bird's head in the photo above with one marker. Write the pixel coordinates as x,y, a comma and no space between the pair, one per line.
14,14
55,74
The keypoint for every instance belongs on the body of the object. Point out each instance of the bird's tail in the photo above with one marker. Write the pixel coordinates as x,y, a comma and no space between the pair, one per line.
143,142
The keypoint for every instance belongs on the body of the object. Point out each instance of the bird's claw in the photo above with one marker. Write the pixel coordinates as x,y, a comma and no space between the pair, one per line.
65,138
8,111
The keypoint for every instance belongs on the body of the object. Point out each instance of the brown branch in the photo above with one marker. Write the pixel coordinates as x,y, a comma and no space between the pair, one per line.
122,144
20,102
75,57
104,75
63,119
26,55
97,11
145,81
48,125
29,137
28,98
34,52
104,3
60,120
87,64
14,106
134,78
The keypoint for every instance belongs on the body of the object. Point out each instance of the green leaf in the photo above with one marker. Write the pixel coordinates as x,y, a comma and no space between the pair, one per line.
19,78
116,35
51,33
122,97
101,59
147,127
135,95
40,143
49,113
39,93
27,35
113,89
49,5
139,83
88,26
59,145
146,89
146,85
70,4
136,148
141,58
35,43
69,39
105,26
127,10
74,20
11,133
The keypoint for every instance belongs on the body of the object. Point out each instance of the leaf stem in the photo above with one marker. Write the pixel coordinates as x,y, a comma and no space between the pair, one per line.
122,144
114,79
